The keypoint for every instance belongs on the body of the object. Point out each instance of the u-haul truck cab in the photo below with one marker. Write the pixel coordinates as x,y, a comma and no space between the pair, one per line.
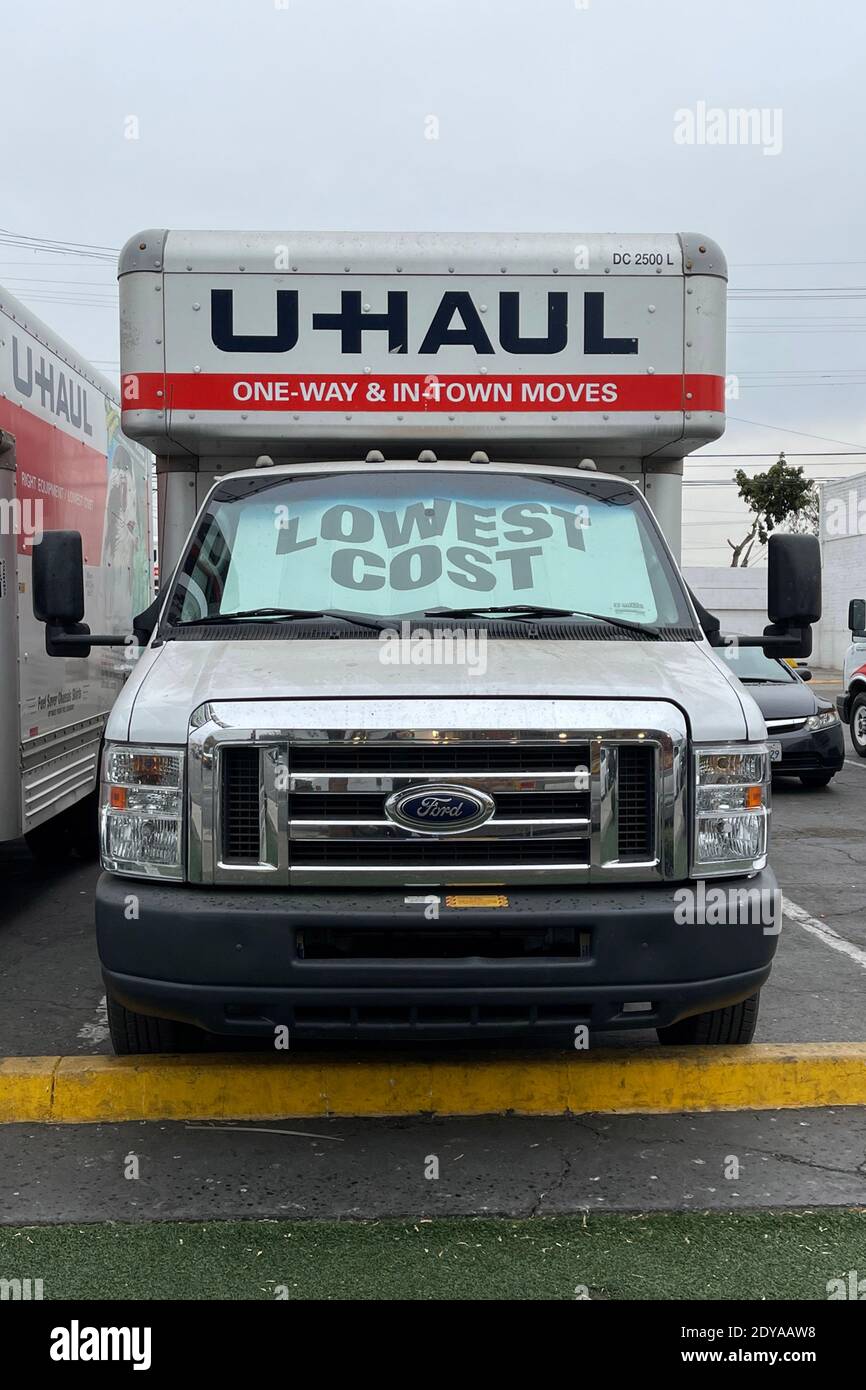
426,737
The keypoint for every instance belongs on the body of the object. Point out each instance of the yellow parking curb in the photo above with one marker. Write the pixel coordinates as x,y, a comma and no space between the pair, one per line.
769,1076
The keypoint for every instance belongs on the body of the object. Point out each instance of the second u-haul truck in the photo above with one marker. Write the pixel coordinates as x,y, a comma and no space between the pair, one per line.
64,465
428,737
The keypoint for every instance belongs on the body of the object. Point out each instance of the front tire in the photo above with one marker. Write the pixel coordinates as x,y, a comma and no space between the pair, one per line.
718,1028
817,779
135,1034
857,724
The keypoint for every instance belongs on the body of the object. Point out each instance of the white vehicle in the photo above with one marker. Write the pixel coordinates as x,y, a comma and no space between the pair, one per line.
64,465
851,704
427,738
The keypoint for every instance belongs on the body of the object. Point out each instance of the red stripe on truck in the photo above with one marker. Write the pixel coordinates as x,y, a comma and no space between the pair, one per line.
404,394
65,477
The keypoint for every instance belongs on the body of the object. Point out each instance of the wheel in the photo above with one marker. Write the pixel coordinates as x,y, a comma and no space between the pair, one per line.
816,779
857,724
51,843
133,1033
719,1027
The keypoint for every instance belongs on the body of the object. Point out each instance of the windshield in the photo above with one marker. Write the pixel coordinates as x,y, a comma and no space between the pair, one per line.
394,544
750,664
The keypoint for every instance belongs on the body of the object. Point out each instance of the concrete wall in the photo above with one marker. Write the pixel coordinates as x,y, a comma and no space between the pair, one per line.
738,597
843,558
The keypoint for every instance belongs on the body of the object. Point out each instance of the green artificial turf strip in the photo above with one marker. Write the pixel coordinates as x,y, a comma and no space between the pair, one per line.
668,1255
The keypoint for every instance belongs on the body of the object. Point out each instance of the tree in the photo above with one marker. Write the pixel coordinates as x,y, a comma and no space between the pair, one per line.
780,499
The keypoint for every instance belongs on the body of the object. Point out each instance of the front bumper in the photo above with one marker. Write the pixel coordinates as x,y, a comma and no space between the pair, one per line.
240,962
808,750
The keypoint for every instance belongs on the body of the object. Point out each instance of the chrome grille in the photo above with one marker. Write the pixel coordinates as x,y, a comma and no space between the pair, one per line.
369,805
634,798
411,755
241,805
275,799
456,852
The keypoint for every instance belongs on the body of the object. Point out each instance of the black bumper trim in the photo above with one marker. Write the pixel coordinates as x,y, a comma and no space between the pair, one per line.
228,962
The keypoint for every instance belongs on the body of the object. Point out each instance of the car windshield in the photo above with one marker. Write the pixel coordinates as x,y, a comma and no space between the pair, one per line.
750,664
397,543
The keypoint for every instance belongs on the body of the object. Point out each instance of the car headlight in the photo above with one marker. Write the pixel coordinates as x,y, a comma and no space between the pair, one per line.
141,810
825,720
732,809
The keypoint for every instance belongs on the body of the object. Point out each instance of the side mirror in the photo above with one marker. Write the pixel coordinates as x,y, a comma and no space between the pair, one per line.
58,596
857,616
793,580
58,579
804,673
793,594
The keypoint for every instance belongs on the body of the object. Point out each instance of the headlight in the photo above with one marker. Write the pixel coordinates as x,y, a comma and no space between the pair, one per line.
732,808
824,720
141,810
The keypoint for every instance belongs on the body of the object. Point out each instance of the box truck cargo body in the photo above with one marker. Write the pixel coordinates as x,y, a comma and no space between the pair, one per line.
429,737
64,465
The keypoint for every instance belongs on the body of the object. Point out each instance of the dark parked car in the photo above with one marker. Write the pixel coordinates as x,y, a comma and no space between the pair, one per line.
806,731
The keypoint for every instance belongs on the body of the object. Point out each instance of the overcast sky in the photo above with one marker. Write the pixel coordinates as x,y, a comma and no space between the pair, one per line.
552,115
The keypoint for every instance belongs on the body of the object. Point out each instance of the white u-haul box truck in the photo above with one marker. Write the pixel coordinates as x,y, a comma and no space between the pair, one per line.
428,739
64,465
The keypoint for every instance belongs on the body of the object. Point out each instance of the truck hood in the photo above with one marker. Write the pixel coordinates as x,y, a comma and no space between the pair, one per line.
172,680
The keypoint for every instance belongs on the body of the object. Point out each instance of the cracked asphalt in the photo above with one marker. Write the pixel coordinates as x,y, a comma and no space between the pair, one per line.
423,1167
51,1002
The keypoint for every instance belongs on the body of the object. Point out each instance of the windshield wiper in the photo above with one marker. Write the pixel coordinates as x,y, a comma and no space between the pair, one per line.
288,614
535,610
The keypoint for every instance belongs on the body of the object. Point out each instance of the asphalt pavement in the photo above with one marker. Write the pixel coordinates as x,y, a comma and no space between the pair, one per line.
51,1002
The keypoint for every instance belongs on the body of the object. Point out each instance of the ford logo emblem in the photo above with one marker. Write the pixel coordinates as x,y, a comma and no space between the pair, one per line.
439,810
